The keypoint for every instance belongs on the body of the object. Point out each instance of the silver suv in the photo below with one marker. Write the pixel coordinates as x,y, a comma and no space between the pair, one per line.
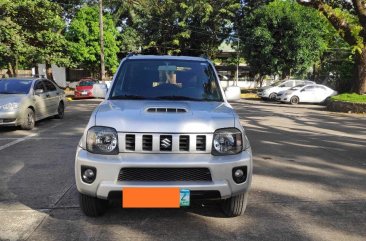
164,135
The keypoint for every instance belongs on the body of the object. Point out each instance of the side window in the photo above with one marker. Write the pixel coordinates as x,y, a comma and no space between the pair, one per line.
289,84
50,86
40,86
309,88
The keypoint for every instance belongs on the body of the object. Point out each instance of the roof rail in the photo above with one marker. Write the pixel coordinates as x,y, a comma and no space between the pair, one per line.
130,54
204,56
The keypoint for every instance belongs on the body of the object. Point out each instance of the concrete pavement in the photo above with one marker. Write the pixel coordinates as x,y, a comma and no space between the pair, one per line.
308,184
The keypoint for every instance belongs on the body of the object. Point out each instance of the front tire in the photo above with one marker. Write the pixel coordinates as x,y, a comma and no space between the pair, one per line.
235,206
28,120
60,111
294,100
272,96
92,206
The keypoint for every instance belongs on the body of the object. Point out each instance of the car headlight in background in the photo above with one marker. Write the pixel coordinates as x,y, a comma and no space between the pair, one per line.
10,106
102,140
228,141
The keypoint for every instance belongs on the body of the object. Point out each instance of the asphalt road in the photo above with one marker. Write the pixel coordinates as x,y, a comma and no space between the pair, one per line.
309,183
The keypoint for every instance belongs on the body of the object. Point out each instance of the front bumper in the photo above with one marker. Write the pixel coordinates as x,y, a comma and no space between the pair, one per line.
108,168
8,118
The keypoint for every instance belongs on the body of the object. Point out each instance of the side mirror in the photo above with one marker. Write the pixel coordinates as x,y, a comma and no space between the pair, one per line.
38,91
233,93
100,90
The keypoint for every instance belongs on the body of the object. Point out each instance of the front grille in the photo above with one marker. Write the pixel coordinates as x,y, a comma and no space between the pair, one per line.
165,143
130,142
147,142
165,174
184,143
201,143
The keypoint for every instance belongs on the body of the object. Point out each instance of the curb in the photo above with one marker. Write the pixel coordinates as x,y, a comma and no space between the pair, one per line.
347,107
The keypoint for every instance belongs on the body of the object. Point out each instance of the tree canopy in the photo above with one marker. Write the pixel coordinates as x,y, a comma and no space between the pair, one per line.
83,36
31,31
283,37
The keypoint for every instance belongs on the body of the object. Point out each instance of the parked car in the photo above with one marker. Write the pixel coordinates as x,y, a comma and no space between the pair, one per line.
165,134
100,90
312,93
84,89
270,92
25,101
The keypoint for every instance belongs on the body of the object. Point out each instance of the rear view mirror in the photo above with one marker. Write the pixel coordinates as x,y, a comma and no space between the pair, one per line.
38,91
233,93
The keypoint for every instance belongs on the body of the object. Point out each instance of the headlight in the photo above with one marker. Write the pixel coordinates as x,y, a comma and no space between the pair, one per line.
102,140
9,106
228,142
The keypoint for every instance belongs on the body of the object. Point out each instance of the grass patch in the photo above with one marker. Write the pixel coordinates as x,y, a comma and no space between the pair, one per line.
353,98
249,96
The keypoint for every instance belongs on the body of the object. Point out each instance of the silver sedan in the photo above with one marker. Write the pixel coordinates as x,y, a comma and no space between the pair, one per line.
23,101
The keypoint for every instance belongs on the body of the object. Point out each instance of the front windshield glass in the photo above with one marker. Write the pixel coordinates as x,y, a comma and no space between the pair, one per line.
86,83
15,86
276,83
166,79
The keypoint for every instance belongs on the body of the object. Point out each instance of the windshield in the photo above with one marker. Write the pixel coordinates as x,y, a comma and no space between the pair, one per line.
166,79
277,83
15,86
297,87
86,83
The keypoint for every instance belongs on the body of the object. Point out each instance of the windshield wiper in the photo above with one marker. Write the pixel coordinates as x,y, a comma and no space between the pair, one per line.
129,97
177,97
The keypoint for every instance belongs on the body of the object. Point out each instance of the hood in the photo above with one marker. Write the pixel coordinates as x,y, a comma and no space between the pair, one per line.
11,98
144,116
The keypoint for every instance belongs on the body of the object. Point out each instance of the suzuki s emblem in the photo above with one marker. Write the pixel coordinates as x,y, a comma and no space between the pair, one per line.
166,143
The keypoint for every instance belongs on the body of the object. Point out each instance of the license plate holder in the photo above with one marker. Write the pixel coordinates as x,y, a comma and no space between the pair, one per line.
153,197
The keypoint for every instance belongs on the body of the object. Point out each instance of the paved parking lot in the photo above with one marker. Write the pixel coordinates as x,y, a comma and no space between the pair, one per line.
309,183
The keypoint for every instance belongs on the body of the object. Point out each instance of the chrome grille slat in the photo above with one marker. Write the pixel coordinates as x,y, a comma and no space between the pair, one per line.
151,143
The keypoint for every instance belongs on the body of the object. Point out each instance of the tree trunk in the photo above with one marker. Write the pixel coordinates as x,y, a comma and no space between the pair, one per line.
15,68
359,86
49,71
10,70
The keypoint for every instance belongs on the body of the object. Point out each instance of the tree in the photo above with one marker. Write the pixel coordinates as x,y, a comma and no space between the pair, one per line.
34,34
350,22
182,27
283,38
83,35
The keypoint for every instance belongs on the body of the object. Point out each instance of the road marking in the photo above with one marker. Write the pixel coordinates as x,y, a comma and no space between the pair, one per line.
26,137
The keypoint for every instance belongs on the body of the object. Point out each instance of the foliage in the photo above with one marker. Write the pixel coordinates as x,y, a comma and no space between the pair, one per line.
182,27
349,19
283,38
31,32
354,98
83,35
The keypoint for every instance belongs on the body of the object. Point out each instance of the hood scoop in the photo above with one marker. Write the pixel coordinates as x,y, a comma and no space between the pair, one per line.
166,110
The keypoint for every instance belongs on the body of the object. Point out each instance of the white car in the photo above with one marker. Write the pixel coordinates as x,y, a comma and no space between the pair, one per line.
270,92
306,93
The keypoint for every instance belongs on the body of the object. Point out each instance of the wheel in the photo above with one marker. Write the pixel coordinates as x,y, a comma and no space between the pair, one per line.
60,111
28,120
272,97
235,206
294,100
92,206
